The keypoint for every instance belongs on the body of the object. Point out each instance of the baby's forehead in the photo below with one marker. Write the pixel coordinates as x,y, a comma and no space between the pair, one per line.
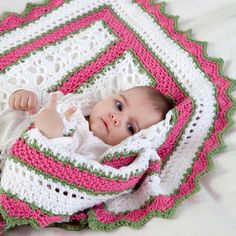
138,101
136,95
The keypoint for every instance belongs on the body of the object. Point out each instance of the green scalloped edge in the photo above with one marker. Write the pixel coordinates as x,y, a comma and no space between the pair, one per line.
12,222
31,205
28,8
93,223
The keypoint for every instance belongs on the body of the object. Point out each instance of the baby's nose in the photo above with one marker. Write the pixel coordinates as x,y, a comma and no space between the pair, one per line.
115,119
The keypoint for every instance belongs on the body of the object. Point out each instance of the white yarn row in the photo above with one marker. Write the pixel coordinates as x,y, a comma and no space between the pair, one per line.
45,67
46,193
57,17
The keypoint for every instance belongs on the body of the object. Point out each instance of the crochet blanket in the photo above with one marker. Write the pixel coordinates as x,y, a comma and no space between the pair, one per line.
95,48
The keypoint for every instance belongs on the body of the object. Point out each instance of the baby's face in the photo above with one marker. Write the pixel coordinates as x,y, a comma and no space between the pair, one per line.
122,115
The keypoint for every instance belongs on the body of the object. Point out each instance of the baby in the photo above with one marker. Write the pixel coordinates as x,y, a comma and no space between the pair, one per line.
111,120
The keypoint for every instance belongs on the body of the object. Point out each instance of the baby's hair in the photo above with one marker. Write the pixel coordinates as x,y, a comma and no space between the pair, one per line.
159,101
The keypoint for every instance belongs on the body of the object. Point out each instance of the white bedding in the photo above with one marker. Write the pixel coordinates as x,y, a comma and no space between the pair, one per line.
212,211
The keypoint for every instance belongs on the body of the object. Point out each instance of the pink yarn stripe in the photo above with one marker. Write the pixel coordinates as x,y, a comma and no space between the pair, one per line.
58,34
68,173
120,161
125,161
79,216
12,21
18,208
154,167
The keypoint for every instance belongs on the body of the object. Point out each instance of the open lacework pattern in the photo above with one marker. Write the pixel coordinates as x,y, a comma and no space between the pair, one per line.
94,48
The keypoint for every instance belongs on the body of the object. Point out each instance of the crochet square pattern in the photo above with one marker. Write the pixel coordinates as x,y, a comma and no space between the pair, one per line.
92,49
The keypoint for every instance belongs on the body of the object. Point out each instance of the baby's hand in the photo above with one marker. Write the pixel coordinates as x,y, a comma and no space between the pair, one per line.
24,100
48,121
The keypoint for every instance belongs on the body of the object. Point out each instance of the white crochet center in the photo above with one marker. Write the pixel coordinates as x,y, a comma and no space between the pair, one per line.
179,63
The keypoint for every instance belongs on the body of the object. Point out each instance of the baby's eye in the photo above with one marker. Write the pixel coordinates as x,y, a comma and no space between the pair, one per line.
131,129
119,105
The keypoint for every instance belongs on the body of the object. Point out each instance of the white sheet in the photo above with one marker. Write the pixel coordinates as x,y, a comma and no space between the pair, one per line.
212,211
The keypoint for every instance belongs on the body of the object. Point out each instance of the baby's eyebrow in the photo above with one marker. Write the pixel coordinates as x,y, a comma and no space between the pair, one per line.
137,125
124,98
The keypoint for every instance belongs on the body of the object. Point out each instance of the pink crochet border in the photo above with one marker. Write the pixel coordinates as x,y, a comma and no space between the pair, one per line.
19,209
12,21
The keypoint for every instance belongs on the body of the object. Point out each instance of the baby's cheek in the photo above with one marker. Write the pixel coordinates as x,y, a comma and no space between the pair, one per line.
97,129
116,137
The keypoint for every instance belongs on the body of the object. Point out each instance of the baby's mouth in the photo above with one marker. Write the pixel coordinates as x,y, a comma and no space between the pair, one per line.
105,124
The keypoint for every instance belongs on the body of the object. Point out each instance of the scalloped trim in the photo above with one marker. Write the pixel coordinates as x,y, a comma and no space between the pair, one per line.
18,18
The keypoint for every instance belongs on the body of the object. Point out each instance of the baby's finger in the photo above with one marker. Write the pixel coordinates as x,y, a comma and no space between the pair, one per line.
34,109
12,103
53,101
24,103
68,113
31,102
17,103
